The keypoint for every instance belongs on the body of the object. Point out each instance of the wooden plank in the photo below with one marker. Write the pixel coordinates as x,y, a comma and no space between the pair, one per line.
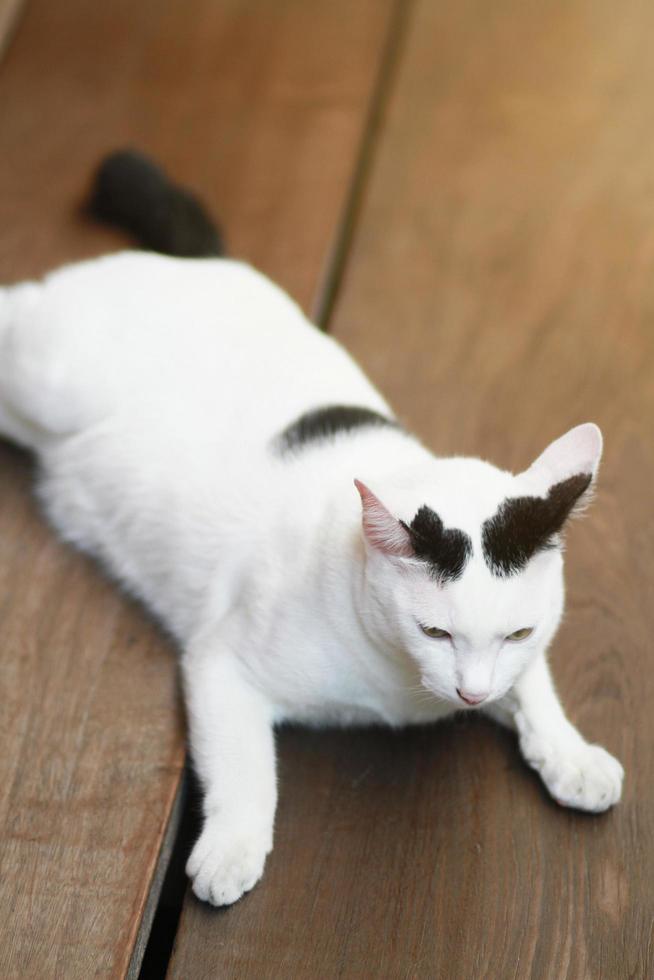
92,751
500,289
262,105
258,104
9,14
156,891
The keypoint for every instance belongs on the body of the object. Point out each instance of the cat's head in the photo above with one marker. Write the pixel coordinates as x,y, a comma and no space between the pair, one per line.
464,566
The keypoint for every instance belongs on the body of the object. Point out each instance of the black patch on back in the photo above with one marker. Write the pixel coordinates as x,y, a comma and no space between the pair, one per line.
446,550
524,526
328,421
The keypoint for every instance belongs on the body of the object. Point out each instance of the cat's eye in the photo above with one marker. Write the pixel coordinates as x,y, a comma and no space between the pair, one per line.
435,632
520,634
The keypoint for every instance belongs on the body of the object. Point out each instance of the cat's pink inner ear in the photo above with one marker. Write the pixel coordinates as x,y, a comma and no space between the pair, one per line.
383,532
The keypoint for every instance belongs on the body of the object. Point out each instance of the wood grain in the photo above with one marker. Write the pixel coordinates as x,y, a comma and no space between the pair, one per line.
259,105
9,14
262,105
500,289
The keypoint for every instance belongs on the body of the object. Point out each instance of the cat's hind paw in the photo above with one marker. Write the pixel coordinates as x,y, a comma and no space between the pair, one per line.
224,866
581,776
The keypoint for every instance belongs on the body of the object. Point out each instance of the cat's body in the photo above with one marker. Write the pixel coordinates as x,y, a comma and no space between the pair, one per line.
149,426
201,438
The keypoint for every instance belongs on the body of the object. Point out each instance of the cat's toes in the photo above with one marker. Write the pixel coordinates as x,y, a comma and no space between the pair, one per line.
582,776
589,780
225,864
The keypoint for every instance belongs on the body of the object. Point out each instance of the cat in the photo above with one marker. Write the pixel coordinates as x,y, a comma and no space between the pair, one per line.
233,468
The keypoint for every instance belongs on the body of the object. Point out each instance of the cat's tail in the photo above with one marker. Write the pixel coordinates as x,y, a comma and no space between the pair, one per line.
132,192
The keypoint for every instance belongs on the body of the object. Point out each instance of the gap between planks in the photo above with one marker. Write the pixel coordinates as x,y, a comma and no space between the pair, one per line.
346,227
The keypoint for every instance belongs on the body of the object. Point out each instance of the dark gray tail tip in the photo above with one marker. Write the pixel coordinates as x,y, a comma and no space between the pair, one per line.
133,193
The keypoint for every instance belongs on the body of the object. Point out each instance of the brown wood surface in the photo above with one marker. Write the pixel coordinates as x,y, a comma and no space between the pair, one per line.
500,289
263,105
9,15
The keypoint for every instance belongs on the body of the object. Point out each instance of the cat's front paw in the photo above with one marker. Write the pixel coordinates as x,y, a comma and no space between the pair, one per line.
227,862
578,775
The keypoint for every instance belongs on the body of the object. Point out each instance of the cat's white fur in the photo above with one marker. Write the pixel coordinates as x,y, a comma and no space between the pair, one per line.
152,390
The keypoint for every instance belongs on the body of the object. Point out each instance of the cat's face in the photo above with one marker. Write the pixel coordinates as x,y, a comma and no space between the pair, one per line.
472,638
467,576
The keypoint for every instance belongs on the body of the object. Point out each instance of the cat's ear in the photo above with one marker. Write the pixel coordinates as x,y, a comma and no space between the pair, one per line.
569,465
555,486
565,472
383,532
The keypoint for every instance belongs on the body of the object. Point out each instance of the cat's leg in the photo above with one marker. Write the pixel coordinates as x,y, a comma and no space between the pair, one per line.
576,773
12,425
46,388
232,745
16,429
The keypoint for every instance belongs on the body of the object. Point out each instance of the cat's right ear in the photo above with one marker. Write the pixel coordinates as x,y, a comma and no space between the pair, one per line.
383,532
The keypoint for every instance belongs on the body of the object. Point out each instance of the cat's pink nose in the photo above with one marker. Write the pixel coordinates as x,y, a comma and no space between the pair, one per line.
471,698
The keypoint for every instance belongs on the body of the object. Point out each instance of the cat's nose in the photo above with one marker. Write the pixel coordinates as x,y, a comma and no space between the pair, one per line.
471,698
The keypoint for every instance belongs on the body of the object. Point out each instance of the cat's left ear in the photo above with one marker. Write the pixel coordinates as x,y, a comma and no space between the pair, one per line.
571,461
554,487
383,532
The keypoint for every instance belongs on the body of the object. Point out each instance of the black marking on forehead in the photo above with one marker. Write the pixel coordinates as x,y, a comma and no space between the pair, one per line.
446,550
323,423
524,526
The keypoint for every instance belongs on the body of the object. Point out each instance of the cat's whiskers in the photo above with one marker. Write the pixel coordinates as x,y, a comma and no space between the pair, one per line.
423,695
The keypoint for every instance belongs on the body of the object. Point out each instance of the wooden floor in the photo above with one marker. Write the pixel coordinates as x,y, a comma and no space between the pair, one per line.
464,195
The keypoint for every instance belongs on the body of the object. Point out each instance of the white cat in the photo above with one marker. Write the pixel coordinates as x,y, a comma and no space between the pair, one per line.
202,439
